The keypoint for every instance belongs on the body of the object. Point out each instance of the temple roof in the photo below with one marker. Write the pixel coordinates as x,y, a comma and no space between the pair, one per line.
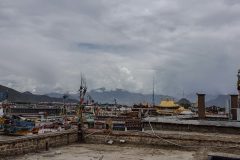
168,103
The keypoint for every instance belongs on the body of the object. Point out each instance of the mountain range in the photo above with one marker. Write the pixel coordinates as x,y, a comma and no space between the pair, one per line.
119,95
220,100
102,95
16,96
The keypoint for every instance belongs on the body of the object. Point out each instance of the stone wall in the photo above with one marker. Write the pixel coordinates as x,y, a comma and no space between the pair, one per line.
185,140
191,128
172,139
35,143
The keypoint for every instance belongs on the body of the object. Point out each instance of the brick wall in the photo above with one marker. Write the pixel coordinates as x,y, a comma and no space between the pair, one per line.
36,143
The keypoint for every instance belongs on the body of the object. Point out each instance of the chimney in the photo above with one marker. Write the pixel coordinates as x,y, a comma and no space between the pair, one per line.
234,106
201,106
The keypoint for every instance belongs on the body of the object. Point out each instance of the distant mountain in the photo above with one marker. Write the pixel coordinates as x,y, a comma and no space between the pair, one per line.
216,100
193,97
101,95
59,95
124,97
55,95
220,100
16,96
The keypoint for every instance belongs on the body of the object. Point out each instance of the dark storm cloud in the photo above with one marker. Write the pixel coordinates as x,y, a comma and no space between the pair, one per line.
188,45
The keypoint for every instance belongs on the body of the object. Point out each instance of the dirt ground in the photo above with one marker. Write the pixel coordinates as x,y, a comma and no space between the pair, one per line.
107,152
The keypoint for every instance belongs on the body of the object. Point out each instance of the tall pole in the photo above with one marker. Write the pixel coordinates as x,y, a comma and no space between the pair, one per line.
82,92
238,87
153,95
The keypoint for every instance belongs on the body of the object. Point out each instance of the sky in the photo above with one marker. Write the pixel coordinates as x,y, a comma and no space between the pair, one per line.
184,45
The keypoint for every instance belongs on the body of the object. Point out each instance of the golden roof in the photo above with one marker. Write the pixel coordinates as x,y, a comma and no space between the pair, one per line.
168,103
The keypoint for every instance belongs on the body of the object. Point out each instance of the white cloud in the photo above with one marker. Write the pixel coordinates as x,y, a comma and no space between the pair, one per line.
189,45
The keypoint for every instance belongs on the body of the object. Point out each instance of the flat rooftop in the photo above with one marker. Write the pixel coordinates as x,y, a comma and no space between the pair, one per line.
107,152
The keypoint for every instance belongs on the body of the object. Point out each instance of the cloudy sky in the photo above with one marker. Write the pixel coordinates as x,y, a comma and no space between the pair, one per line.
186,45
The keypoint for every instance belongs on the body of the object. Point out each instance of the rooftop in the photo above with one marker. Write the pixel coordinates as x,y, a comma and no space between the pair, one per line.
168,103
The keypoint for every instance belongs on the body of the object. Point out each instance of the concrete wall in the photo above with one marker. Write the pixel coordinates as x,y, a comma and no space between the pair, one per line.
36,143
